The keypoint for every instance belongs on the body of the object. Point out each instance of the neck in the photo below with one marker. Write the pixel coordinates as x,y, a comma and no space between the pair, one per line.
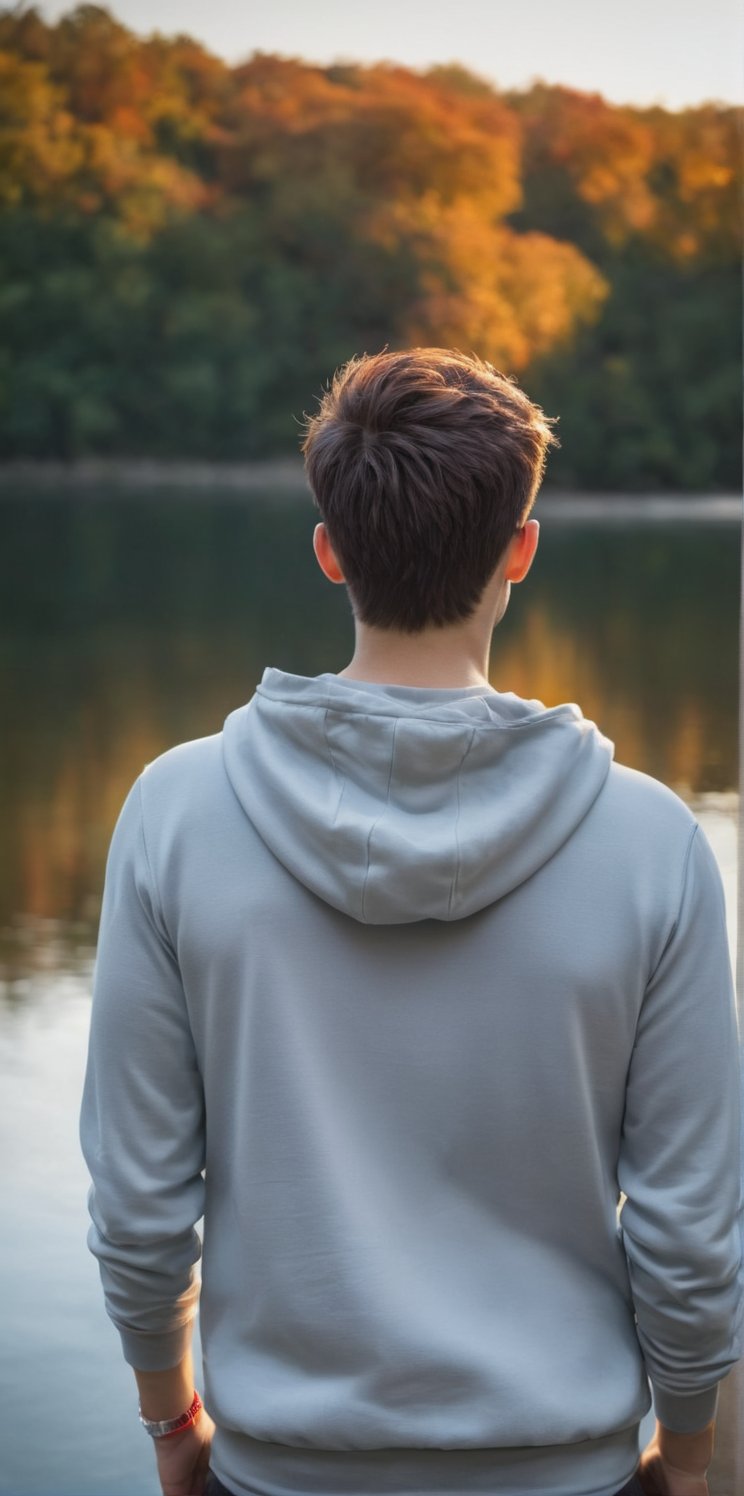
428,659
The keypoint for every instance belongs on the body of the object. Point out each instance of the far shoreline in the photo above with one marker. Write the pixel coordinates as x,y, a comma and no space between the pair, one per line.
283,479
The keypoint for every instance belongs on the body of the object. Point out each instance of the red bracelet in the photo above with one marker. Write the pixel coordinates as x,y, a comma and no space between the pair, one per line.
163,1428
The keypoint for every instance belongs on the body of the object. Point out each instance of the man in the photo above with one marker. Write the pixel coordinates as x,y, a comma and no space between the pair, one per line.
402,981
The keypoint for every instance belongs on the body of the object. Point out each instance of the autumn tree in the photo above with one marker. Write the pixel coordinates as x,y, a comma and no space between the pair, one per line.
188,249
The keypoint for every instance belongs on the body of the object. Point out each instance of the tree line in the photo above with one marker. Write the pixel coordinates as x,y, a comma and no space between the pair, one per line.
188,250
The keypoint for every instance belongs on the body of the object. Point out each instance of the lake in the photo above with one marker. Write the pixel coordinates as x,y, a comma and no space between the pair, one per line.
133,622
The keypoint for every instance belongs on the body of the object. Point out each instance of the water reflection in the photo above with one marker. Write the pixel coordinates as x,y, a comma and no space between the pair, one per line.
130,625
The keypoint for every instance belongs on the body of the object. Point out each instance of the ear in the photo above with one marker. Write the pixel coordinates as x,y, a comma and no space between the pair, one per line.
520,552
326,555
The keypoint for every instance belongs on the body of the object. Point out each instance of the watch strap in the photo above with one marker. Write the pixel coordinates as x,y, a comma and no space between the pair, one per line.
162,1428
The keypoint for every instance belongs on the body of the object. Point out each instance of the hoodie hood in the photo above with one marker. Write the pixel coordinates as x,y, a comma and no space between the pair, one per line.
401,803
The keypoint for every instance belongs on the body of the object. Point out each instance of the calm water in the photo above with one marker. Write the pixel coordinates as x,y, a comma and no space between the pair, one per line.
132,624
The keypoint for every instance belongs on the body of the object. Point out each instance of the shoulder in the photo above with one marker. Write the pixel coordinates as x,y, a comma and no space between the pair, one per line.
183,781
645,827
184,760
647,802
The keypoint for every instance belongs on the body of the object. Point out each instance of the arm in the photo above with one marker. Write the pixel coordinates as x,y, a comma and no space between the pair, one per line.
183,1458
142,1131
679,1167
677,1464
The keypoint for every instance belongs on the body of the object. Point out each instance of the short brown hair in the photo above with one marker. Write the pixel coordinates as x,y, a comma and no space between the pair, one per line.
423,464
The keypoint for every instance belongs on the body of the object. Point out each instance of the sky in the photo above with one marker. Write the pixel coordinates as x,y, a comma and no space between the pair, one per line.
669,52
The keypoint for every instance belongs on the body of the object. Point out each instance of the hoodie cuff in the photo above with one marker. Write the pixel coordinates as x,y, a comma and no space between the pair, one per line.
684,1412
156,1352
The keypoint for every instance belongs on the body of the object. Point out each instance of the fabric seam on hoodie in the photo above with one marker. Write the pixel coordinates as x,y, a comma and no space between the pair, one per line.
670,936
453,886
157,903
378,818
340,779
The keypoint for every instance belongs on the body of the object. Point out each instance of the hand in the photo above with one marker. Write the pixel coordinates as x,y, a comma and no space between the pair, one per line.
676,1464
657,1478
183,1459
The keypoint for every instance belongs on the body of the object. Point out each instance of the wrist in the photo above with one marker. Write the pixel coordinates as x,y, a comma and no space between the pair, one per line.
172,1428
168,1393
686,1454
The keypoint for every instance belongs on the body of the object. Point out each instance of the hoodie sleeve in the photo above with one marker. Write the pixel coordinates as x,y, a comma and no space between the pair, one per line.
142,1118
680,1158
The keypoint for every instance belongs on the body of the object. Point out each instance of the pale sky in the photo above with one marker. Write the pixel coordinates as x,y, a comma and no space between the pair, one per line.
671,52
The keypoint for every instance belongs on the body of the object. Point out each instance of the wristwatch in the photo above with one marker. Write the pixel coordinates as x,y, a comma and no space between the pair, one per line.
161,1428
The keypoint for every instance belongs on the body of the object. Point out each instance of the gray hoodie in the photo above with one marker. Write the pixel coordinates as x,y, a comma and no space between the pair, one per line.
401,989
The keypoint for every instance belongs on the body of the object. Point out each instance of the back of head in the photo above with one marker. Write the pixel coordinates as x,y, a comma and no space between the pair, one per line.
423,464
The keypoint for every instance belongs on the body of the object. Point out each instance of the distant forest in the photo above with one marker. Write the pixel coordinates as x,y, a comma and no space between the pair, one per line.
188,250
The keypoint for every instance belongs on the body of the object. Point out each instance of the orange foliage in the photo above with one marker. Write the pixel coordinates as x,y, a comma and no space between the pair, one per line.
698,178
509,297
382,131
423,165
605,151
49,156
39,142
674,179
